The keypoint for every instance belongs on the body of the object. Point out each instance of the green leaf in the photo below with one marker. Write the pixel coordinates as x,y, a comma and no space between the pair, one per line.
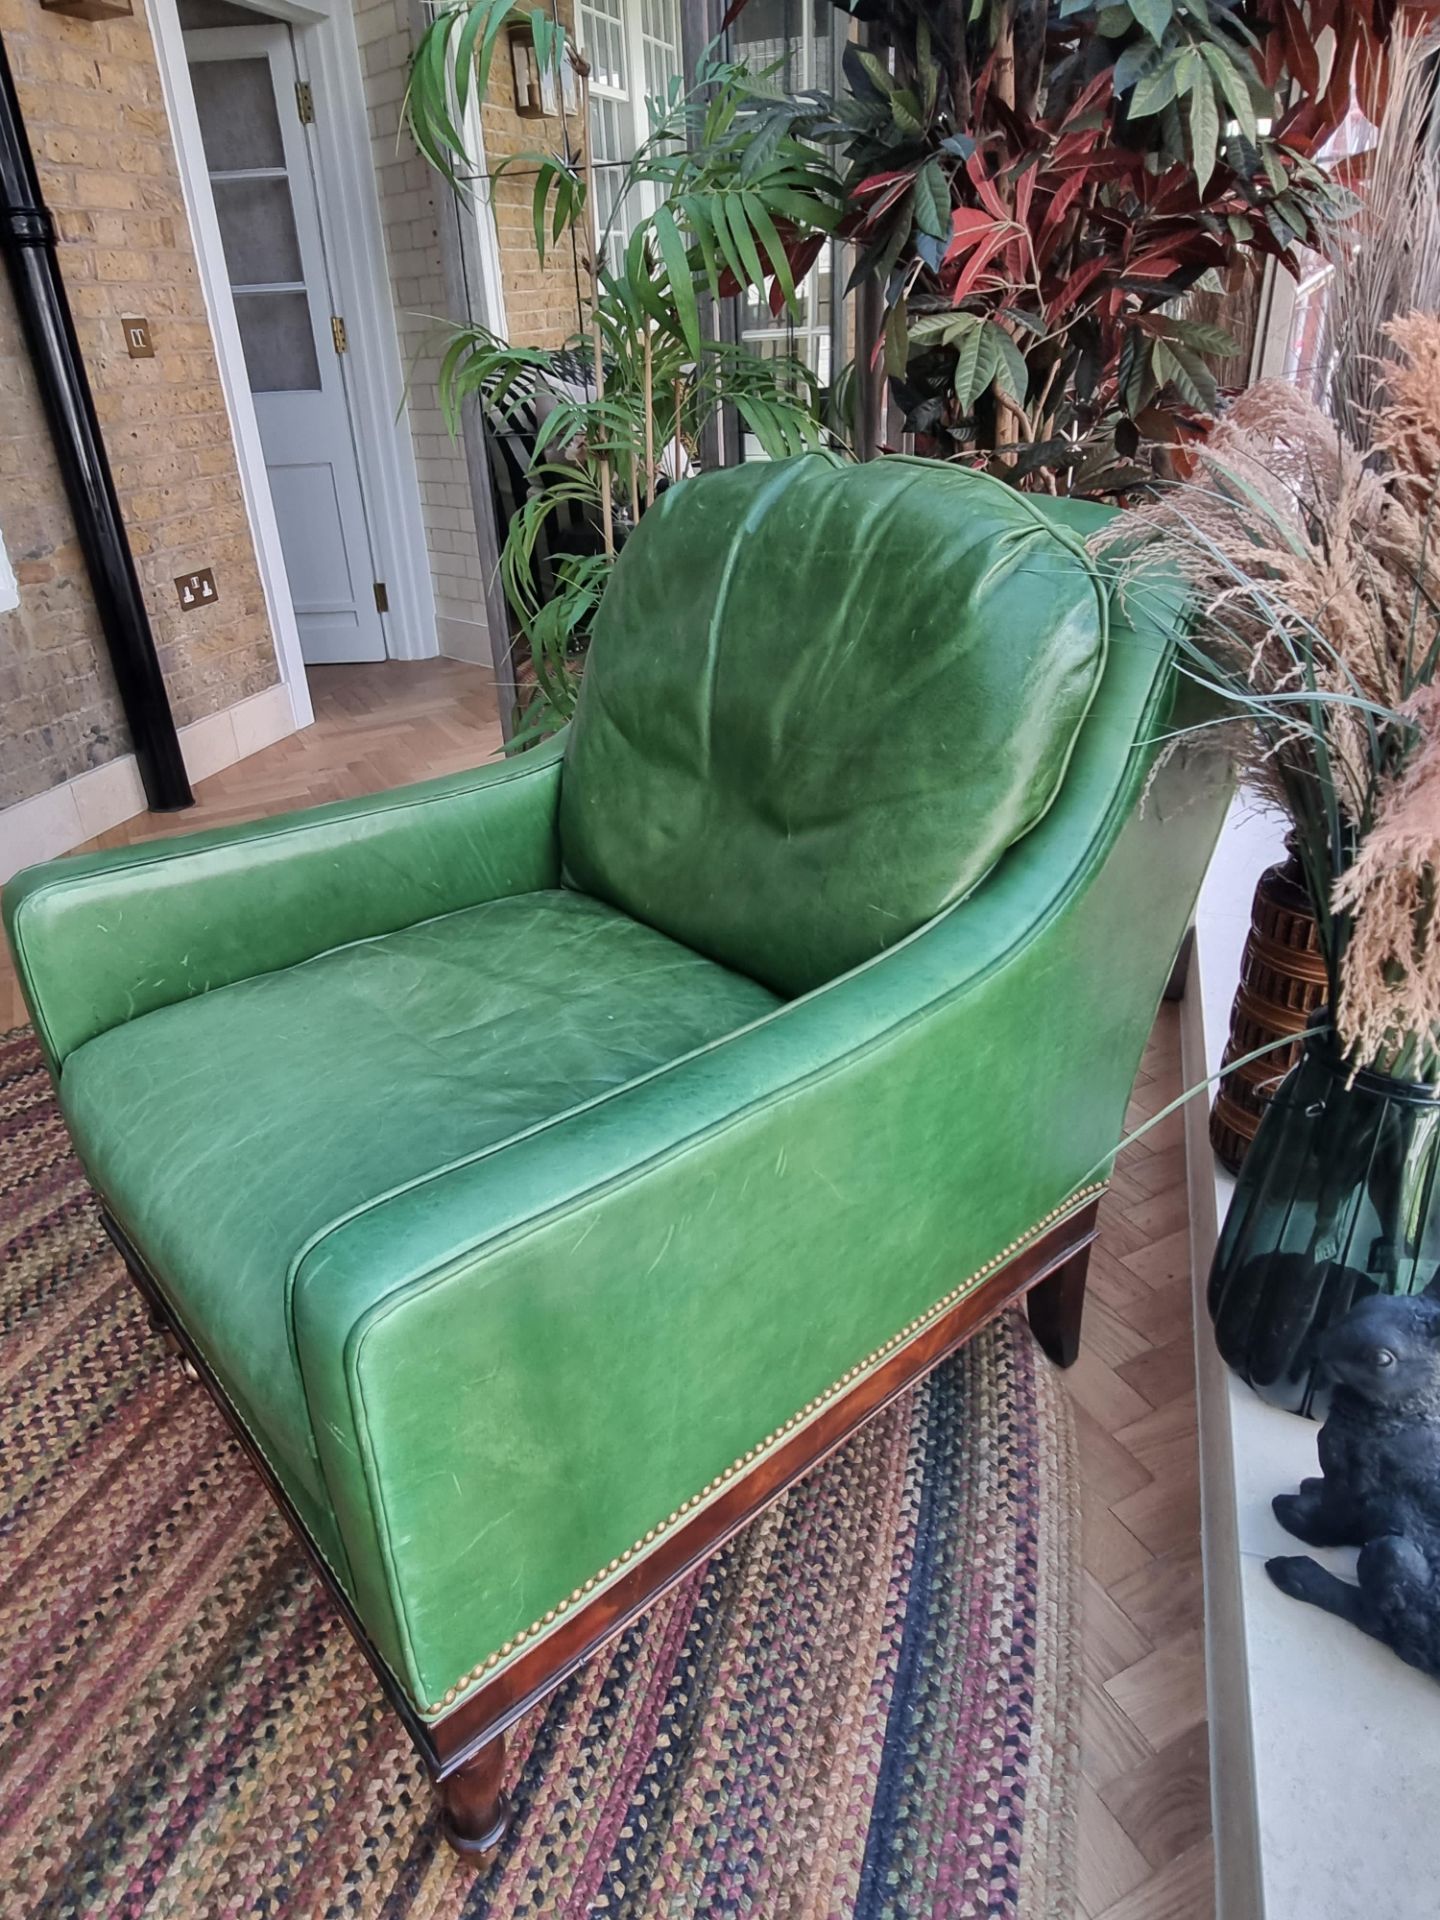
897,341
1136,380
1113,23
905,112
1134,63
1156,89
764,229
465,51
1200,335
1204,132
1154,16
1232,84
877,71
682,285
1031,322
975,362
932,200
734,212
1012,376
1174,367
1189,71
1292,215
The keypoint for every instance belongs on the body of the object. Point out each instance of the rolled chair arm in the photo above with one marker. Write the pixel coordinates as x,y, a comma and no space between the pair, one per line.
106,937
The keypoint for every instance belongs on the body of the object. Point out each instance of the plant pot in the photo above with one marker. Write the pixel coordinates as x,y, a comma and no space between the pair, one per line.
1334,1202
1282,983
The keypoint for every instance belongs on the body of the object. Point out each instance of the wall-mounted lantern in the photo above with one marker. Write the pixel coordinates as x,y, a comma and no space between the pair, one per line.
529,90
536,92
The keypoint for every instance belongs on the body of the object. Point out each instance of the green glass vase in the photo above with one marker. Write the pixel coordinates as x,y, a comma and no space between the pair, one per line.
1334,1202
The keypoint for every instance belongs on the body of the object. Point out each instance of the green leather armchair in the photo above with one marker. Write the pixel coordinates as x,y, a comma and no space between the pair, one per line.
544,1165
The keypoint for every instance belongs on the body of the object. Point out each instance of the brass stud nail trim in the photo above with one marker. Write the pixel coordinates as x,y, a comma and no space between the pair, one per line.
657,1533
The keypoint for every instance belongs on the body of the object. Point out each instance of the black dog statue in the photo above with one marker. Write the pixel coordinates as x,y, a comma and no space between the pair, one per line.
1380,1479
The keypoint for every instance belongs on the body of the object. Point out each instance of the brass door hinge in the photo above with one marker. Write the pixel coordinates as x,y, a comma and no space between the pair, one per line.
337,333
382,598
305,103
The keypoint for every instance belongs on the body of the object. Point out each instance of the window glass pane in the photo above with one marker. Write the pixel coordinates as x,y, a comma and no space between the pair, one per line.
661,39
257,225
763,34
609,132
238,122
279,345
822,46
603,39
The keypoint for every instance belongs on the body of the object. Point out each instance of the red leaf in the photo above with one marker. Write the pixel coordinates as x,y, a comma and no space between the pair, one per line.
968,226
1301,54
1336,98
801,255
1086,98
887,203
1024,190
1048,236
1070,293
878,180
1154,265
985,187
977,263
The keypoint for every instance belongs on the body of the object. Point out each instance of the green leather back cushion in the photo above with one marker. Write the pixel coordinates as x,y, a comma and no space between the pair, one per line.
820,702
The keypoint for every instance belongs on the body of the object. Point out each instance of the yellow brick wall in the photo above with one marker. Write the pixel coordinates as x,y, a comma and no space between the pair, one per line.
90,93
540,301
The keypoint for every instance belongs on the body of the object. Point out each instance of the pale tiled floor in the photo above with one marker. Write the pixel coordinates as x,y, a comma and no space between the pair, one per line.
1144,1806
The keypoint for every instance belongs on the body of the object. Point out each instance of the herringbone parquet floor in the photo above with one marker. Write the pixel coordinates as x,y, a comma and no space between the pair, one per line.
1144,1805
1145,1799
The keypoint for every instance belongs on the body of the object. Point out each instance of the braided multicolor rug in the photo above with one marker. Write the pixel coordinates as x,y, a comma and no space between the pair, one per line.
862,1706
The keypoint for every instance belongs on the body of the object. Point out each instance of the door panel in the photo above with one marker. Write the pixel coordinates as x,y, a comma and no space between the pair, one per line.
264,192
320,573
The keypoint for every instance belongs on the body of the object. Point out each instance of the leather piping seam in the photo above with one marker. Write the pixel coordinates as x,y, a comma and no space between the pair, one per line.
646,1544
166,854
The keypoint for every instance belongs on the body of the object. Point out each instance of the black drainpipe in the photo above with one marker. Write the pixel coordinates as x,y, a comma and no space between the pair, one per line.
27,235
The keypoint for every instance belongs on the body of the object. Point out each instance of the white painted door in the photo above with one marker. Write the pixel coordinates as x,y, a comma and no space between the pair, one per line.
244,80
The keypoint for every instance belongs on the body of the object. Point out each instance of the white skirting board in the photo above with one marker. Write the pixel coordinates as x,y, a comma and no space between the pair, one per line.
1324,1748
52,823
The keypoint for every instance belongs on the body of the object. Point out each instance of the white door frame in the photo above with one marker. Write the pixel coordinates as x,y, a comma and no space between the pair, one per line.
326,53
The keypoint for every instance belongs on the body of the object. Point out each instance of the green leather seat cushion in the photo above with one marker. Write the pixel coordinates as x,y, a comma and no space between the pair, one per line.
822,701
229,1131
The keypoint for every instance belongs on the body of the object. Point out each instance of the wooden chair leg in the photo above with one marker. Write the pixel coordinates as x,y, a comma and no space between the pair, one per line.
1055,1306
475,1810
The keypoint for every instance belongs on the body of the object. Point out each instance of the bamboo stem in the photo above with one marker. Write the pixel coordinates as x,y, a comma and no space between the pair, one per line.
607,502
679,397
648,366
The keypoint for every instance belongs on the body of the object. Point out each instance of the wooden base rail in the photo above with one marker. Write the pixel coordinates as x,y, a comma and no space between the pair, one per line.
463,1750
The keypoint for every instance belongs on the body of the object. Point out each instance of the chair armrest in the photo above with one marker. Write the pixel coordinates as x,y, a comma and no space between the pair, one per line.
102,938
519,1367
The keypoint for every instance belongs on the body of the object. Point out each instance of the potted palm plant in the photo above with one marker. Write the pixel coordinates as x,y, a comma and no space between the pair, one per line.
735,202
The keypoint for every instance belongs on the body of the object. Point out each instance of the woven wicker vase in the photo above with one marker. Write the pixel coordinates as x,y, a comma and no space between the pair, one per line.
1282,982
